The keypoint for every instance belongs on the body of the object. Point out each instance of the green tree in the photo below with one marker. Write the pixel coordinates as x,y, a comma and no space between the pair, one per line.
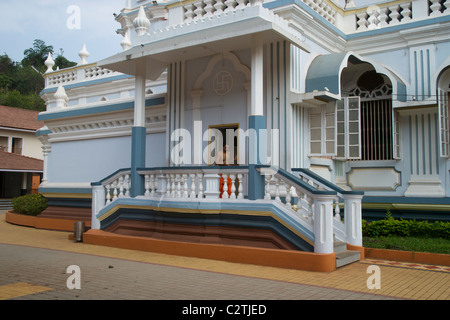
37,55
62,62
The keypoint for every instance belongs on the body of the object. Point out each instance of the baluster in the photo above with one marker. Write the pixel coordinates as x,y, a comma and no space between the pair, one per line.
233,186
108,194
240,187
219,6
147,185
192,194
288,196
294,196
394,15
361,21
185,186
127,185
189,14
200,185
178,181
152,185
230,5
168,186
199,11
277,190
225,186
121,194
372,19
383,17
406,11
337,210
172,186
209,8
300,198
241,4
268,178
114,186
311,209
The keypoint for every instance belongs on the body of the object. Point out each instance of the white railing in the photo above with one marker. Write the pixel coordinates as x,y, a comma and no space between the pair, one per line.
304,198
195,183
76,74
350,229
207,8
323,8
377,17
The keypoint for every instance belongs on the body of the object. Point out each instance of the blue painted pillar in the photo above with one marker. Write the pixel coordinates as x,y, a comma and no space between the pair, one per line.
256,155
256,121
138,133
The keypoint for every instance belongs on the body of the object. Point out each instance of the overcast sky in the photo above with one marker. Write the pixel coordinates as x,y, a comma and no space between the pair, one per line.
65,24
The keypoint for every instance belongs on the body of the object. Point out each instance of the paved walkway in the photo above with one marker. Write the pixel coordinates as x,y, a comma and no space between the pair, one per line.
34,263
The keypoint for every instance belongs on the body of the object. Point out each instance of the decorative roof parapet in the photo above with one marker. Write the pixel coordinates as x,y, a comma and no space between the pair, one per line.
49,63
83,54
141,23
61,98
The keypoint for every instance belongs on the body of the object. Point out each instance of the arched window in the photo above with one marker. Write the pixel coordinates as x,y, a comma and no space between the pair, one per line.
376,116
444,111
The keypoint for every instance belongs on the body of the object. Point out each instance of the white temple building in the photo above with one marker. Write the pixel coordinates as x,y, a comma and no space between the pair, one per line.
271,124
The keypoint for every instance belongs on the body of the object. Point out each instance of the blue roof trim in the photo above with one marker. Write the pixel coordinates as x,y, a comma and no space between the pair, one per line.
309,10
98,109
88,83
325,71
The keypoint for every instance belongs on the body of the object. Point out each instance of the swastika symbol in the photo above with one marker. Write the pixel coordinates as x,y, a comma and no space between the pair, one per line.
223,82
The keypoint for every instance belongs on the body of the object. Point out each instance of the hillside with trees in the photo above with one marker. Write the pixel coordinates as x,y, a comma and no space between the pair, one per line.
21,82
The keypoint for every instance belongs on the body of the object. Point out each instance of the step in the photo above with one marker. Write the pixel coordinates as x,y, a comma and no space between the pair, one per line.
5,204
339,246
346,257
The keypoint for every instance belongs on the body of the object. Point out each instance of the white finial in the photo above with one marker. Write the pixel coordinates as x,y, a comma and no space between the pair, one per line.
126,43
49,63
141,23
83,55
61,97
128,4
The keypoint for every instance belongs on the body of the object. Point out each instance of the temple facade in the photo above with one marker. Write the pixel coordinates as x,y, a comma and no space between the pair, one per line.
271,124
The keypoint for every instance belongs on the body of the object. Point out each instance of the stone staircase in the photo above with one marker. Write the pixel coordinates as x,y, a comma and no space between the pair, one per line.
344,256
6,204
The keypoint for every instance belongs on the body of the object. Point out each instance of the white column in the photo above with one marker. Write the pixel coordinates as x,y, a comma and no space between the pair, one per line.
98,202
353,219
139,102
323,223
257,77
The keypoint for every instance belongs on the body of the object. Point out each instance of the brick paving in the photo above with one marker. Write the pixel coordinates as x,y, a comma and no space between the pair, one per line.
37,260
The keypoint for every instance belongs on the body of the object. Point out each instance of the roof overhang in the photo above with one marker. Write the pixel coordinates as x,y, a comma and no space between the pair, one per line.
204,37
324,74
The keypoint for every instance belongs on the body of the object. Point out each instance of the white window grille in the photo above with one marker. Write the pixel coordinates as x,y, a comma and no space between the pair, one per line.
348,131
377,130
444,126
322,130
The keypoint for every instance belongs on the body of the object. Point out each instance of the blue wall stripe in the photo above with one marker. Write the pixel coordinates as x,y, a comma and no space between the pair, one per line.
423,145
436,141
415,75
430,141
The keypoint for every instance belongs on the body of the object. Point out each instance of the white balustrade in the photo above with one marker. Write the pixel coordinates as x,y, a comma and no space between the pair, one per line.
195,184
208,8
438,7
76,74
117,186
378,17
348,230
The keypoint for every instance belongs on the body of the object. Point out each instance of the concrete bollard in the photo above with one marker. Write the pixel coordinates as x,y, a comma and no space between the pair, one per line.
79,228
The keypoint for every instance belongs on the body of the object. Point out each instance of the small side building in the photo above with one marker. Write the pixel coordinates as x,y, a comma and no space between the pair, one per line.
21,157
